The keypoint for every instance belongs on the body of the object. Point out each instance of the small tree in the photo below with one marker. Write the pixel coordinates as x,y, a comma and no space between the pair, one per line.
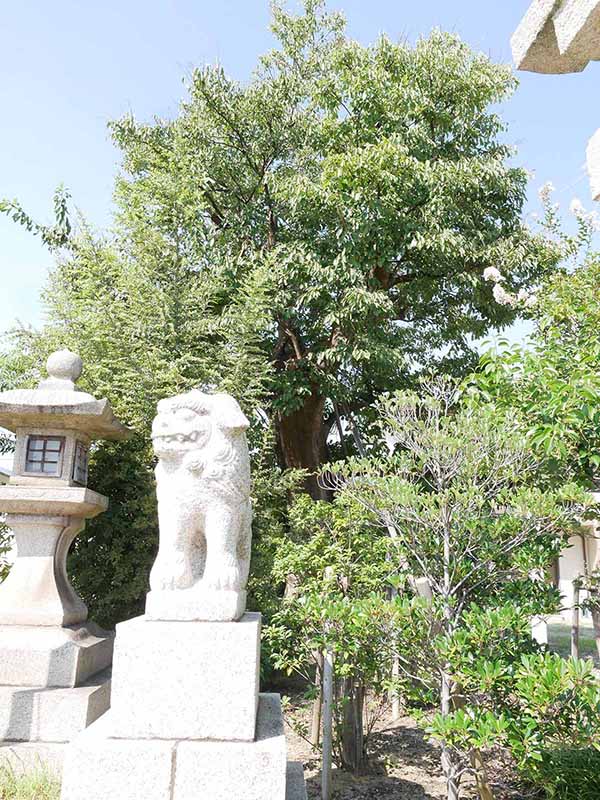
339,562
458,490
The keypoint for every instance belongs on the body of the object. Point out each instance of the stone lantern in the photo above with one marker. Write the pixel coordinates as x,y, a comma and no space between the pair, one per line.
52,679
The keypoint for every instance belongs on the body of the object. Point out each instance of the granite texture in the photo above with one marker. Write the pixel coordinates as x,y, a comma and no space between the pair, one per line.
52,715
559,36
186,680
101,767
577,28
237,770
58,403
196,603
98,767
56,501
295,784
535,46
52,656
37,591
204,510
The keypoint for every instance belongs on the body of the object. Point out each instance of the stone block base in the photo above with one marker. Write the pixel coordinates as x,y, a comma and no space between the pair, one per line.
186,680
295,788
196,604
99,766
51,715
51,656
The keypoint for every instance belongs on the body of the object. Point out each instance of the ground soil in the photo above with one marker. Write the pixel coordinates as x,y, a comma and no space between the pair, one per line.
403,765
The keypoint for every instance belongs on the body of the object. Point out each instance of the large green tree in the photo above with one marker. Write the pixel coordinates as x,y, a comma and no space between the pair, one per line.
361,191
305,239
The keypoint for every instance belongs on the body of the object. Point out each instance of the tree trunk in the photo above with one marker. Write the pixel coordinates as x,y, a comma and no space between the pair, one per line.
483,787
302,441
352,698
449,767
394,697
315,728
596,623
575,620
327,725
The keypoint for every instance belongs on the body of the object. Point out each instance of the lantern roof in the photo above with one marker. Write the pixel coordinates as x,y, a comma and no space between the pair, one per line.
57,403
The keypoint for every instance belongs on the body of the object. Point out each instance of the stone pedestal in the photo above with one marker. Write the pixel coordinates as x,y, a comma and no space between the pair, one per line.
196,603
186,721
213,675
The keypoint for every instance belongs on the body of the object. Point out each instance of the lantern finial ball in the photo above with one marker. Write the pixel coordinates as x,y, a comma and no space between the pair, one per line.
64,365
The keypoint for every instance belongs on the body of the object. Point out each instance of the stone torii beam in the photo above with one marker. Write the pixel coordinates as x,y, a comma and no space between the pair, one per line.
558,37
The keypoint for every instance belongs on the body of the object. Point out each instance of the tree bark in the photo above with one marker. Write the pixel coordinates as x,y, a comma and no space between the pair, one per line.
315,727
596,624
483,787
352,732
575,620
327,725
449,767
302,441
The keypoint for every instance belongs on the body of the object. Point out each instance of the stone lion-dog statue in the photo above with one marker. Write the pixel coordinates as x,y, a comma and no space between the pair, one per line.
204,509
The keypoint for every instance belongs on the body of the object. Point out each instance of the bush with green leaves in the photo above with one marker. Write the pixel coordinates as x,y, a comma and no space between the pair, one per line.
554,379
570,773
545,709
458,492
335,564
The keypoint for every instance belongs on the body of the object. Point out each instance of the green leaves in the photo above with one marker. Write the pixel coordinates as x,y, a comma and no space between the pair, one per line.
470,729
53,236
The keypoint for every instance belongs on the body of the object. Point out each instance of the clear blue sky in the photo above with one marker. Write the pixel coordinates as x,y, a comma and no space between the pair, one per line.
69,66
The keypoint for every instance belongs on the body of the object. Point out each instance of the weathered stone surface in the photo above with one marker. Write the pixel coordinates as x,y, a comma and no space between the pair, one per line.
196,603
204,510
295,783
186,680
101,767
27,757
236,770
37,591
52,657
98,767
558,37
46,498
593,162
51,715
56,501
535,46
577,27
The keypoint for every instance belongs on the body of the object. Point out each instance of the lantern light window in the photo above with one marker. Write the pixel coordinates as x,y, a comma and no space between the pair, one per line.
45,454
80,464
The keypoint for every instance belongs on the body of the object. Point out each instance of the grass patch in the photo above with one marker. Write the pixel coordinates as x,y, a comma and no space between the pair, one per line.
35,785
559,641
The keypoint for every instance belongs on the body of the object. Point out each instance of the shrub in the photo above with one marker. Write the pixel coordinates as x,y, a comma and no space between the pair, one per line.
554,711
571,773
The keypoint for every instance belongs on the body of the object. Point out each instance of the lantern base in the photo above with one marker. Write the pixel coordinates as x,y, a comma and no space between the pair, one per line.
51,715
32,656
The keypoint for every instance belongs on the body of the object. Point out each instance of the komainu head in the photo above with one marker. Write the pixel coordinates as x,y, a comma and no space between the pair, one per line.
187,422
